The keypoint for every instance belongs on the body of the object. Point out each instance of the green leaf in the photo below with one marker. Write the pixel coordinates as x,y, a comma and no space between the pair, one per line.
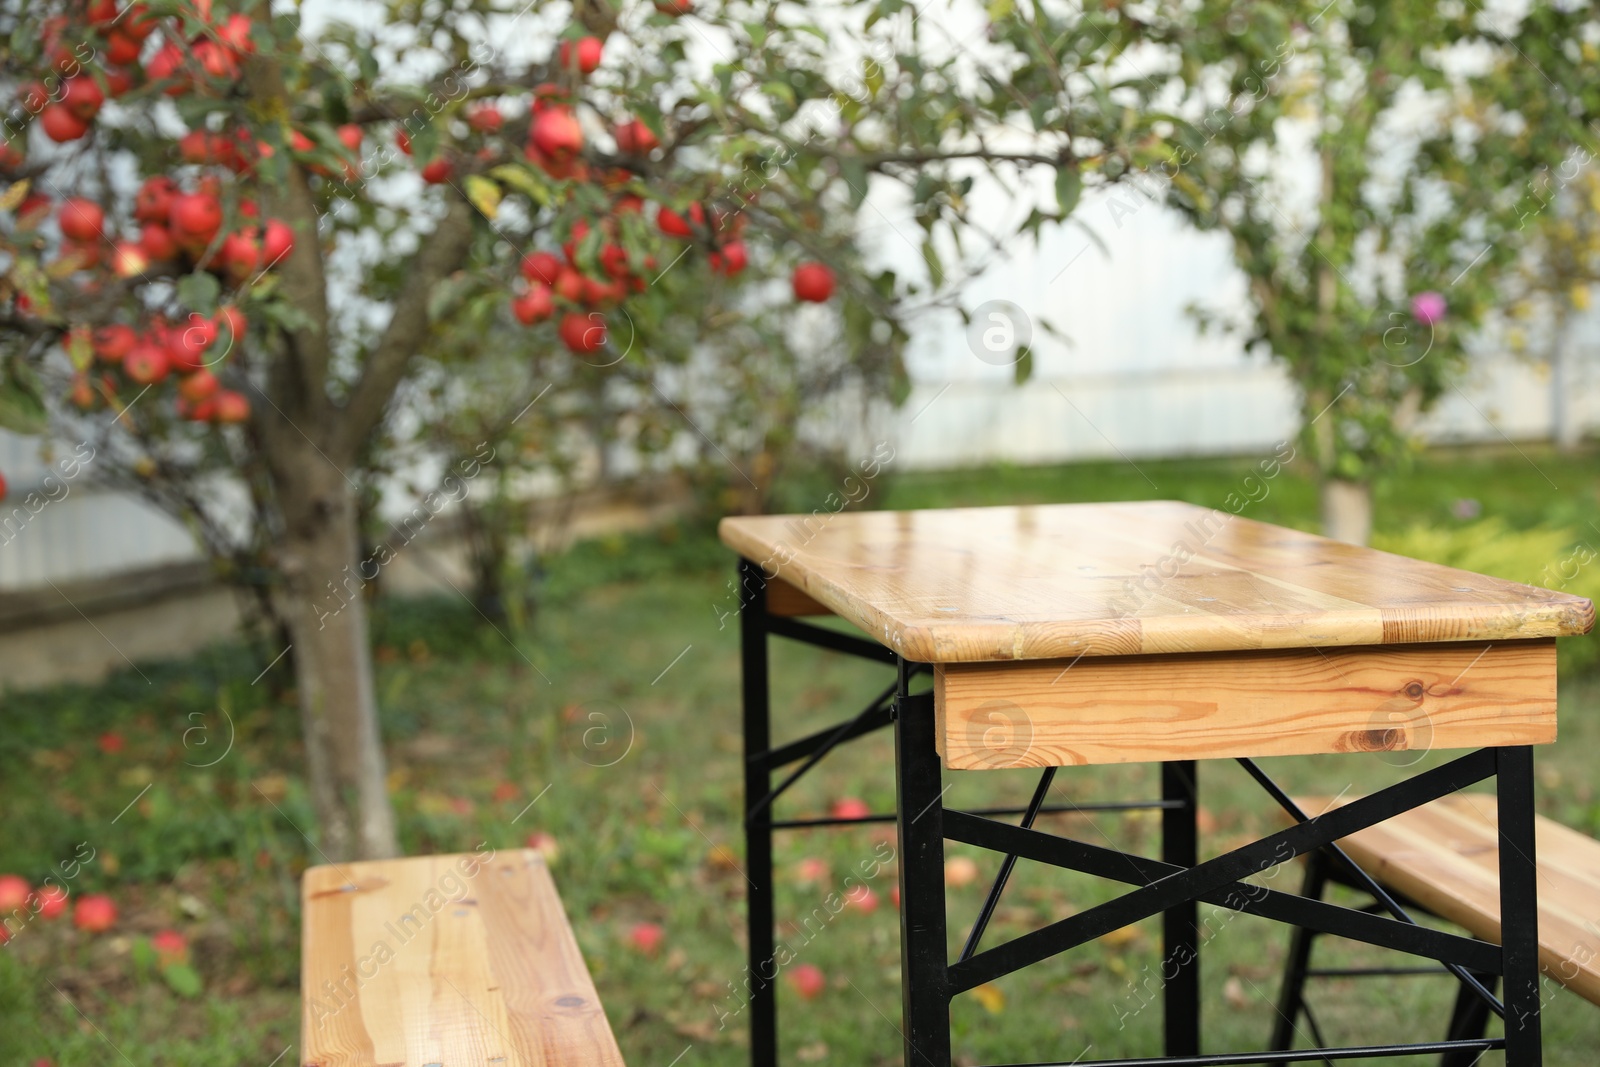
779,91
999,9
21,409
80,353
930,256
523,180
144,956
199,292
184,980
1069,187
1022,370
286,317
854,173
484,195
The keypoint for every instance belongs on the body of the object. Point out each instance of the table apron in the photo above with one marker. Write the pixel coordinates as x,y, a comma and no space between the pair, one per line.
1269,702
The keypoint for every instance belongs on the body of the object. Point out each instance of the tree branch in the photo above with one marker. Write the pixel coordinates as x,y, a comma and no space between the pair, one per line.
440,253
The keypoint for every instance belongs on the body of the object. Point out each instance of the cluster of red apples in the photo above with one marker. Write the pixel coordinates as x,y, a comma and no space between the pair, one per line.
187,225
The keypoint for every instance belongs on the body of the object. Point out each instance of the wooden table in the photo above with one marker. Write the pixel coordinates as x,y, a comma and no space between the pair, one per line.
1162,632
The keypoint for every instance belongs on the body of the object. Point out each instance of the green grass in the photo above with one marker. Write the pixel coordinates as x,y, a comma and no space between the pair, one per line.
645,811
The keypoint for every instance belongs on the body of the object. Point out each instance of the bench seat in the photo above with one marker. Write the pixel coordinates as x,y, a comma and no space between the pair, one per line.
1445,856
445,961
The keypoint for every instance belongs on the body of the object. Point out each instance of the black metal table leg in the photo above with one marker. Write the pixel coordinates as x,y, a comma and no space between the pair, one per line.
758,824
1180,926
924,952
1519,905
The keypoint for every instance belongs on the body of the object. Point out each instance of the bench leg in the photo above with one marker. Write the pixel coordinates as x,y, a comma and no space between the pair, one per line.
762,974
924,951
1291,998
1180,926
1468,1019
1519,905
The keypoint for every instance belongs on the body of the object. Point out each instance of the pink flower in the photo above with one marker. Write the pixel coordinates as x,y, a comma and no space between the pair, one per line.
1428,307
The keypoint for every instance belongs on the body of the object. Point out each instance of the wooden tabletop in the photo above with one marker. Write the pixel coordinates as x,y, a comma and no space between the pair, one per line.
969,585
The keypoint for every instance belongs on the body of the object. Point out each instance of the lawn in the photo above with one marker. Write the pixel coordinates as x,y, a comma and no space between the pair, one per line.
624,740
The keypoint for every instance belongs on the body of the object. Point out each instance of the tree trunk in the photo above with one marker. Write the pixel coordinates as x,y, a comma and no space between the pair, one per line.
1346,510
323,603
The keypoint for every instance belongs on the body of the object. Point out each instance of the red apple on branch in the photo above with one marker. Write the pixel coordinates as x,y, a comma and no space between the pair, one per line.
111,343
541,266
157,242
730,259
187,345
277,241
167,65
154,199
535,305
61,125
583,332
148,362
438,172
122,49
556,133
240,254
230,324
584,53
82,220
675,225
634,138
350,135
195,218
486,118
199,385
568,285
129,259
231,407
813,282
82,97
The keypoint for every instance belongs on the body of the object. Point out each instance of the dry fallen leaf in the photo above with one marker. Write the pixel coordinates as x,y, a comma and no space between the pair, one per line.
1125,935
1233,993
990,996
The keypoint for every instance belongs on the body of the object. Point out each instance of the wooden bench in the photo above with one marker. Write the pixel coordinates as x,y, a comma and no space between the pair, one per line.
1443,858
445,961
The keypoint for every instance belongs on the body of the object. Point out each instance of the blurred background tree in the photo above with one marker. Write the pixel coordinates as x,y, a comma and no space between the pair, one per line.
1557,279
1367,161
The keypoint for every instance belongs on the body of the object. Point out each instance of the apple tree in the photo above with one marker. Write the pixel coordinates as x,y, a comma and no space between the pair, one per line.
1369,163
250,248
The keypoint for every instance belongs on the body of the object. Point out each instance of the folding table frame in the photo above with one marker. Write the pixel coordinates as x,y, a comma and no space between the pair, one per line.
1173,885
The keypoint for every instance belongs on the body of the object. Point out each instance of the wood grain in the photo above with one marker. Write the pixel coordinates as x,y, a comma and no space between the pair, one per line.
785,599
966,585
1128,709
1445,856
450,961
